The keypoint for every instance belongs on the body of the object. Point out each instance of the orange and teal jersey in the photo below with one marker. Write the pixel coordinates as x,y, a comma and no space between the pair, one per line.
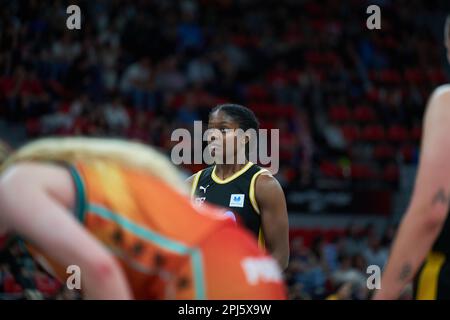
167,247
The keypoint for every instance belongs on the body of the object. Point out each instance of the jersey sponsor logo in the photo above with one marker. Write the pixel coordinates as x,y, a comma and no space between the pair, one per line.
199,200
204,188
237,200
264,269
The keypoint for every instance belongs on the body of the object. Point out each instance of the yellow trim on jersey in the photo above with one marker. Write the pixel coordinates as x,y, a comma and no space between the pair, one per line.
251,193
195,182
428,280
261,241
231,178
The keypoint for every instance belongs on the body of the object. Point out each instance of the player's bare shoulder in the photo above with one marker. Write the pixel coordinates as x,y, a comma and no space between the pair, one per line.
267,182
438,107
440,98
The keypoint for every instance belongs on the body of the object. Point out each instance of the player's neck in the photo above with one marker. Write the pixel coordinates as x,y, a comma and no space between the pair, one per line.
224,171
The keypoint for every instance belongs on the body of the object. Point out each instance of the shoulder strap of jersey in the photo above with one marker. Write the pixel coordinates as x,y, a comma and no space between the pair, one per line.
261,240
251,194
195,182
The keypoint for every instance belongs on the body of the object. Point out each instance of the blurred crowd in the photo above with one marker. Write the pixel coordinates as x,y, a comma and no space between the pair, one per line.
21,278
348,101
335,265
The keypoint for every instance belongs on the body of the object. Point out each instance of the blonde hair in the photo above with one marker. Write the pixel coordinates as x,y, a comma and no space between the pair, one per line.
81,149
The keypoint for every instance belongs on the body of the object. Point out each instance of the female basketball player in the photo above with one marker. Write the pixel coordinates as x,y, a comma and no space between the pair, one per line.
248,191
118,211
422,246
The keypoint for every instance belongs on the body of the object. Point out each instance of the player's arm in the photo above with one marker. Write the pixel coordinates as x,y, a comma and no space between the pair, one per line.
429,204
35,202
274,217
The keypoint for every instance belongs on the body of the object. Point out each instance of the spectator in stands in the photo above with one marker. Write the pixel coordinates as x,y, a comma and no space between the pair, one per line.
374,253
136,83
347,274
297,292
354,243
116,116
63,52
332,251
169,78
200,71
187,113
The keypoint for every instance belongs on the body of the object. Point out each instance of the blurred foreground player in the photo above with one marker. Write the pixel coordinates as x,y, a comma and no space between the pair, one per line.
119,212
421,250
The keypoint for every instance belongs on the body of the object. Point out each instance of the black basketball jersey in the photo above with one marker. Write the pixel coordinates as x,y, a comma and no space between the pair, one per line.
237,193
433,278
442,243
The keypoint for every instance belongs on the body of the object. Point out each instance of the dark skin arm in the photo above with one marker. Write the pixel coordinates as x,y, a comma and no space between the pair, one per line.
274,217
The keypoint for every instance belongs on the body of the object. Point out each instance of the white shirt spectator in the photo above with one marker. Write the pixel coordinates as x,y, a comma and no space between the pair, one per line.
351,275
116,116
135,76
65,50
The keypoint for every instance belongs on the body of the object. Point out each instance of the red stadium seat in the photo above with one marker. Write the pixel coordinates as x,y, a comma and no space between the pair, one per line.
414,76
384,152
374,132
293,76
330,169
308,235
331,58
257,93
364,114
437,76
273,111
3,240
305,234
416,133
391,173
64,107
361,171
373,95
46,284
390,42
10,285
397,134
277,77
267,124
330,234
339,113
390,76
407,151
351,132
33,127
